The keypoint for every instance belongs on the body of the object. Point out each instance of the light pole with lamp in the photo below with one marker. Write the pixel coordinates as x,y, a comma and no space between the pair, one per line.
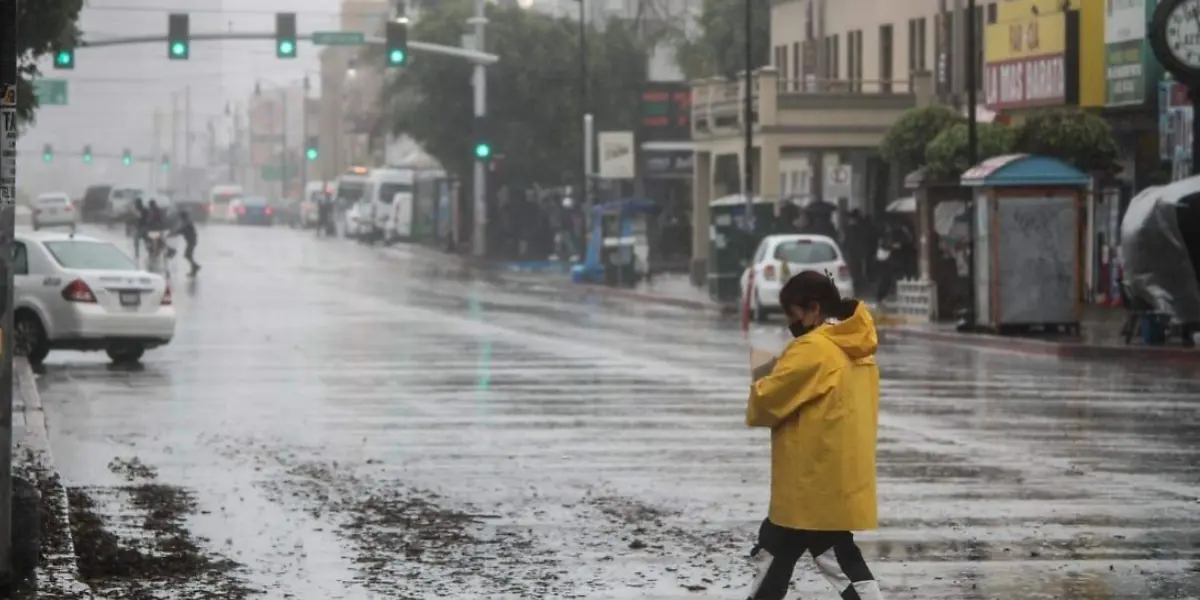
585,195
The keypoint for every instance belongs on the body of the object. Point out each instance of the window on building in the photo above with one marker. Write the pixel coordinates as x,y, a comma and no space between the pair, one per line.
796,76
916,45
886,58
832,58
837,57
991,14
854,60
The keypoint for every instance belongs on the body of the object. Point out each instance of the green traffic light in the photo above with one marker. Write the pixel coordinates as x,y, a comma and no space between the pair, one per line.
166,166
396,57
128,161
63,58
311,154
287,48
87,158
178,49
482,150
47,157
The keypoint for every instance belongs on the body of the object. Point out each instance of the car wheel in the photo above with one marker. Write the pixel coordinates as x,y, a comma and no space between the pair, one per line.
30,338
126,353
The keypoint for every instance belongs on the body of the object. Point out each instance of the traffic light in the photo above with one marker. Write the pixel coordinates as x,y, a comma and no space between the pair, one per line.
483,143
127,158
177,36
285,35
397,42
166,163
87,154
64,59
310,151
47,153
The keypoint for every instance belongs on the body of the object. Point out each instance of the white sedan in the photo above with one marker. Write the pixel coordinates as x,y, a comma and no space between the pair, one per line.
53,210
800,252
73,292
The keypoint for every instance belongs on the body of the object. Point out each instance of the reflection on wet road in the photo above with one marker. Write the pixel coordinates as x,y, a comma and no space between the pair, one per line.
358,423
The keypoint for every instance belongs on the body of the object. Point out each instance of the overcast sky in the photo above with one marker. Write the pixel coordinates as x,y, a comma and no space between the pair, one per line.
115,91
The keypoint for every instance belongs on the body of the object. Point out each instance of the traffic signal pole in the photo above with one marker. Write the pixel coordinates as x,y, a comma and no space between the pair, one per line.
479,239
478,57
8,197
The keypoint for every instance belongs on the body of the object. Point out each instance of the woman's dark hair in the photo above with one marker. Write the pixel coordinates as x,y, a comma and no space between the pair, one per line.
808,287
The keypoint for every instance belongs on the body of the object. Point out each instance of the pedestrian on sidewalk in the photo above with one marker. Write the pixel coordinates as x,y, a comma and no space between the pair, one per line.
820,399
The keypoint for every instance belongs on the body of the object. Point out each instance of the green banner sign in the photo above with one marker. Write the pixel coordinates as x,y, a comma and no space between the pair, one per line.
338,38
1125,65
50,92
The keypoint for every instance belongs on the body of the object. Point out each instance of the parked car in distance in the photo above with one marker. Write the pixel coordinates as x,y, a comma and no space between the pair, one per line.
255,210
54,209
198,209
120,202
95,204
74,292
800,252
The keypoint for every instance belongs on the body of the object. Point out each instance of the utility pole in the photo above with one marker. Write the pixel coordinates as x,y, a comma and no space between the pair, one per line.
187,148
283,179
585,195
156,149
8,197
174,137
747,117
304,143
972,34
480,187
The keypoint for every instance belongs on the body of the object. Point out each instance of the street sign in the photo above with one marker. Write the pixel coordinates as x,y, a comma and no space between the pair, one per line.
837,183
338,38
50,92
271,172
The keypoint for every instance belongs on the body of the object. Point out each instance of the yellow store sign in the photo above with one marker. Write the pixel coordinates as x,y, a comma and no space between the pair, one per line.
1024,52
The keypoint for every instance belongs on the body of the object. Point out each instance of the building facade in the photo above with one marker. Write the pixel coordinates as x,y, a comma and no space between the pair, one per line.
841,73
349,92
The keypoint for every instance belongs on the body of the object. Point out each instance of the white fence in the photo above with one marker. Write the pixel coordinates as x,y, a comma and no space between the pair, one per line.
915,300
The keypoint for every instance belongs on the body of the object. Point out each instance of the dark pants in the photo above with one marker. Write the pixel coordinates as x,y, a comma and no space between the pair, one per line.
835,553
188,252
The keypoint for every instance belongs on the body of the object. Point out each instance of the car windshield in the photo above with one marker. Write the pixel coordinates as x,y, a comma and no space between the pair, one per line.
255,201
806,252
348,190
52,200
127,193
87,255
388,191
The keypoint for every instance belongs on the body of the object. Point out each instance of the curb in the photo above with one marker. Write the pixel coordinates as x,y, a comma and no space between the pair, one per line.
1175,356
484,265
57,574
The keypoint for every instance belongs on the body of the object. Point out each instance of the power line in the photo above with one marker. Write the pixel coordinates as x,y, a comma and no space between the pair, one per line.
238,11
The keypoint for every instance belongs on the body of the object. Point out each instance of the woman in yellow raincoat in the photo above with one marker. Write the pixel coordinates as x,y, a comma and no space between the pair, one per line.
820,399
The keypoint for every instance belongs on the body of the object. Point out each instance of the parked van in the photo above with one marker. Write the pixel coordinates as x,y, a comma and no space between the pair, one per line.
390,194
223,201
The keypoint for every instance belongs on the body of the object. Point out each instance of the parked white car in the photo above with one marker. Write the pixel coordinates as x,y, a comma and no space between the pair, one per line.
801,252
74,292
358,220
53,210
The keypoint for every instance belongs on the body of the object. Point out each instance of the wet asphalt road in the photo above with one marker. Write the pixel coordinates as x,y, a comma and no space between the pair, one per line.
360,423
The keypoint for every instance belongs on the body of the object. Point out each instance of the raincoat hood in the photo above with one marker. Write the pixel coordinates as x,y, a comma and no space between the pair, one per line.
855,336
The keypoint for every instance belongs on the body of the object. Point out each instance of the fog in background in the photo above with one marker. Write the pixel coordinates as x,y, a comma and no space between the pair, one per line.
114,92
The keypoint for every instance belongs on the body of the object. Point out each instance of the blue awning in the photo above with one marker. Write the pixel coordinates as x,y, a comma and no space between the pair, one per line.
1024,170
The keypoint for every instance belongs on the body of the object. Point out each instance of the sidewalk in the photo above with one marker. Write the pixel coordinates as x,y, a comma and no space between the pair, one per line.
1099,339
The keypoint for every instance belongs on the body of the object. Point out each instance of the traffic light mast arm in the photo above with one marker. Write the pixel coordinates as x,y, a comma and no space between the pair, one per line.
474,56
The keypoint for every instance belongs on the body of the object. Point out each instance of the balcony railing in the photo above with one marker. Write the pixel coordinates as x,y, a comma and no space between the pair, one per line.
719,103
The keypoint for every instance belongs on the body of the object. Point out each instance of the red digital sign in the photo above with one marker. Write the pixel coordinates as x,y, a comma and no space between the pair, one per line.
666,112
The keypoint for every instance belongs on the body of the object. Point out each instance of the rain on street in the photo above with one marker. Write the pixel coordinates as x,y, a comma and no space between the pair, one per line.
338,421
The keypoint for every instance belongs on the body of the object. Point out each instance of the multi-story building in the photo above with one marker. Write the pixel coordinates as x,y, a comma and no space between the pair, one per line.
280,119
841,72
349,92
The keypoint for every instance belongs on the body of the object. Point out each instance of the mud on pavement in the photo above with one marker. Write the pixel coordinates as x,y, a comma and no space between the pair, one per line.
132,542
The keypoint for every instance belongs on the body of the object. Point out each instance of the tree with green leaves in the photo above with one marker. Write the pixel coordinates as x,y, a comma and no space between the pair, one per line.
718,49
43,26
907,139
533,91
1082,139
946,157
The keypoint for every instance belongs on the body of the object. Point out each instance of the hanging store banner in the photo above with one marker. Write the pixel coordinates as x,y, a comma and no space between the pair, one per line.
1128,60
616,155
1025,55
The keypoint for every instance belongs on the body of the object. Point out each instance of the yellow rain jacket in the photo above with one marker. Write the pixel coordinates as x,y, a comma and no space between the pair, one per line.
821,401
